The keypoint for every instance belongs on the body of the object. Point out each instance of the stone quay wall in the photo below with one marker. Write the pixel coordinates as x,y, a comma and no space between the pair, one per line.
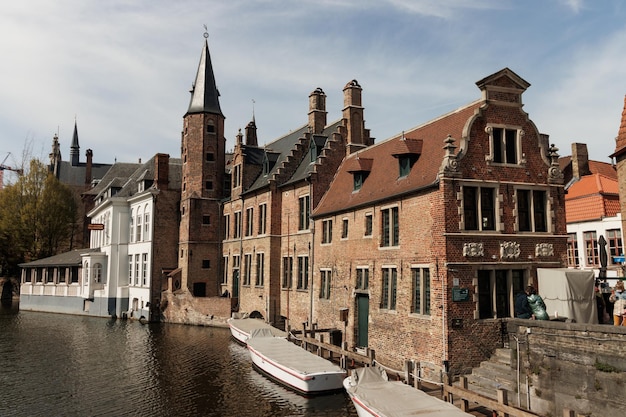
570,365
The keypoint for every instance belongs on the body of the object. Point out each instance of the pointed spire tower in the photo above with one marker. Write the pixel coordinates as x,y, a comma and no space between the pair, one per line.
204,157
75,148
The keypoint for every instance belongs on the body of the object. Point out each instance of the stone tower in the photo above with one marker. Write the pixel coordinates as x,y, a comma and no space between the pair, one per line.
620,160
203,154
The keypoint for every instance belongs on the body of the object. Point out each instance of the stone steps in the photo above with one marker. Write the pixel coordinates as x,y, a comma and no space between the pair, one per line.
498,372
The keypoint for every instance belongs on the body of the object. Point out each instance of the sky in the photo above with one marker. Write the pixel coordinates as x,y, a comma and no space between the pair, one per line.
122,70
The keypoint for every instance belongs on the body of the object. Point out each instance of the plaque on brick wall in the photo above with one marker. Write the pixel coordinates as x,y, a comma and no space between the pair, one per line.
460,294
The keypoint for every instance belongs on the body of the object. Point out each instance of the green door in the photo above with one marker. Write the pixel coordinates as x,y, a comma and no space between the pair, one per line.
363,312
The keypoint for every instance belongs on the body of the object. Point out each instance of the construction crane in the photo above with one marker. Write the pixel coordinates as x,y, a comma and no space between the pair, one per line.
3,166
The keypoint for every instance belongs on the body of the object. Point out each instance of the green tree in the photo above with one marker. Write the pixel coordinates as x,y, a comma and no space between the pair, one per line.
37,218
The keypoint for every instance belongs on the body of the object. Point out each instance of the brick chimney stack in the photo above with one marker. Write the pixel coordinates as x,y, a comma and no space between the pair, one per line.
353,117
317,111
580,160
161,170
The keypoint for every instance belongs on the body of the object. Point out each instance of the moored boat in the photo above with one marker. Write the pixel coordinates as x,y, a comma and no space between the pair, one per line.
240,328
373,395
292,365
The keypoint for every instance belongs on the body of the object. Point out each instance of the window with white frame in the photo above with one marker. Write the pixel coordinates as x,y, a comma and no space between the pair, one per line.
390,227
132,226
532,210
420,277
591,248
479,208
137,269
144,269
146,224
97,273
572,250
138,226
325,275
389,288
130,269
614,241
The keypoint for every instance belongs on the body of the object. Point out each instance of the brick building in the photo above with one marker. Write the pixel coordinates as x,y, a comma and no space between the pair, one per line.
425,238
420,242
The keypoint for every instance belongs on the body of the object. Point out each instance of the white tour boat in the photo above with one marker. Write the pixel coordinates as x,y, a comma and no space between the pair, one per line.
373,395
240,328
292,365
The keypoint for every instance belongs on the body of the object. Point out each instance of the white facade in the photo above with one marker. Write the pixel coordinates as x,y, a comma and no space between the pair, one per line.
583,251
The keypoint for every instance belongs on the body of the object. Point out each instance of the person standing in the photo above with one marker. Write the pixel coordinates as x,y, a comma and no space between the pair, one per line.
618,298
522,306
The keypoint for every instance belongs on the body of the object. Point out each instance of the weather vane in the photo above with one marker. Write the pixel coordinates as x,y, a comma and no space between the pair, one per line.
206,33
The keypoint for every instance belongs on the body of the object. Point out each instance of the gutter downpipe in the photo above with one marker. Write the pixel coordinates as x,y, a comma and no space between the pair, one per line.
311,253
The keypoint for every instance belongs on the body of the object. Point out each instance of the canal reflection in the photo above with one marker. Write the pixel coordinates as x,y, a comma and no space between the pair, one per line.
61,365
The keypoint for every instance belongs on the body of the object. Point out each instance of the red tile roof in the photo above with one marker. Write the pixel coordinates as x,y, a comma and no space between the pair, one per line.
592,197
383,182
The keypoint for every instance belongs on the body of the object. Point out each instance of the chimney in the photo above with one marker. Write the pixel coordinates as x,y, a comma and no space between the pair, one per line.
580,160
317,111
353,117
88,167
251,139
161,170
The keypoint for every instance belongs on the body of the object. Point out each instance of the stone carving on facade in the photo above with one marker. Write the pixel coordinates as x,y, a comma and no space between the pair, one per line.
510,250
449,166
555,175
472,249
544,249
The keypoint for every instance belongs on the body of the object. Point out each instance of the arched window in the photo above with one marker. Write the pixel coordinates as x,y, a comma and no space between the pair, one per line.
131,235
138,226
97,273
86,273
146,223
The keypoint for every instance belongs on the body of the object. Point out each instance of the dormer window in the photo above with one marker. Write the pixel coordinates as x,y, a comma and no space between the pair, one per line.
407,151
316,145
360,168
405,163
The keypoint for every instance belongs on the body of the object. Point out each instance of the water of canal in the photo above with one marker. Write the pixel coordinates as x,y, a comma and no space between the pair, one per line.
62,365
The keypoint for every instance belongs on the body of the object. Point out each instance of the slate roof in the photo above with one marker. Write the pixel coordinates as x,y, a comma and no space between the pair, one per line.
383,183
279,150
204,95
120,171
71,258
593,197
75,175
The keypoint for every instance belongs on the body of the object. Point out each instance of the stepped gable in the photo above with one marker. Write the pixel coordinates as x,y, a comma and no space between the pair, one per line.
289,157
382,181
620,140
